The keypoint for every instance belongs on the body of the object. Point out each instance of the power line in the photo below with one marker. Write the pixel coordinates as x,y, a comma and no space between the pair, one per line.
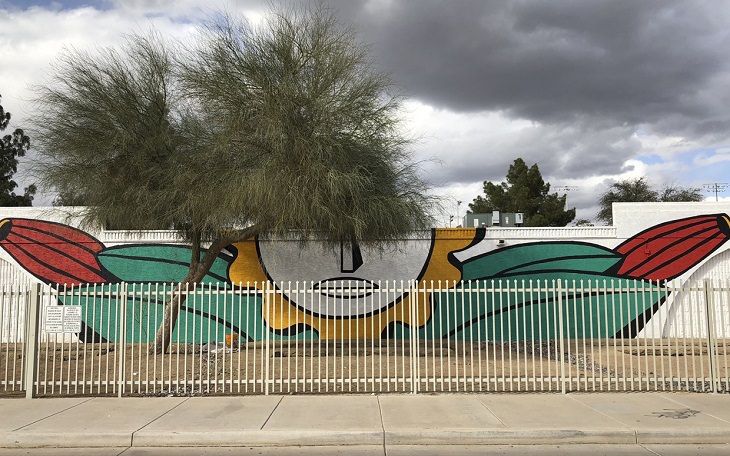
717,187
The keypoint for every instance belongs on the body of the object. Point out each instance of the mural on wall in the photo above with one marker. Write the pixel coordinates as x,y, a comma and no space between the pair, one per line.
332,295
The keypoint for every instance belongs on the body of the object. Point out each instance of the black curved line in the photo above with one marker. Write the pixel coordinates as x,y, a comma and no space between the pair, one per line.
230,257
473,321
142,258
219,320
293,330
165,261
185,307
88,334
227,257
634,327
552,271
347,296
506,272
543,243
479,235
389,330
484,316
344,280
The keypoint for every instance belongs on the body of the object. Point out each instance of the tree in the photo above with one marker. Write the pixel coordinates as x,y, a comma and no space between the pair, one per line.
673,193
526,192
68,198
583,222
286,126
638,190
11,147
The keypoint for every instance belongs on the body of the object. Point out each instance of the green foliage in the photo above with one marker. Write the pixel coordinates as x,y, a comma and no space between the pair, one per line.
673,193
638,190
11,147
285,126
107,127
254,130
583,222
314,128
524,191
68,198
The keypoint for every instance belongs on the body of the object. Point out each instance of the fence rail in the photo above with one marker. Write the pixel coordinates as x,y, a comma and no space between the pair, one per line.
263,338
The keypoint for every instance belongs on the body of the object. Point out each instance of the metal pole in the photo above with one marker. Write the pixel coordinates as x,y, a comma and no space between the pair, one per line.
122,344
268,299
413,318
710,316
30,348
561,342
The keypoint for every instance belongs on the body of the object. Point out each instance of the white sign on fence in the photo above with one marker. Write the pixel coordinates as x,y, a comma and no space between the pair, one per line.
71,319
63,319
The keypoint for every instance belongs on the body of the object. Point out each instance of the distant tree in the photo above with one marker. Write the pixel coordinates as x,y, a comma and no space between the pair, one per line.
69,197
283,127
638,190
11,147
625,191
524,191
673,193
583,222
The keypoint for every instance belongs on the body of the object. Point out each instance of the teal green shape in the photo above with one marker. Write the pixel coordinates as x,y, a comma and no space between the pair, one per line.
496,310
540,257
157,263
204,316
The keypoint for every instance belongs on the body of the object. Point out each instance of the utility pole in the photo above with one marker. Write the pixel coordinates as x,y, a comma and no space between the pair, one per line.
566,188
716,187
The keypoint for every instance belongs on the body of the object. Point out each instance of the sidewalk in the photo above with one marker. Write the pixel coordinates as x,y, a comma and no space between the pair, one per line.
385,420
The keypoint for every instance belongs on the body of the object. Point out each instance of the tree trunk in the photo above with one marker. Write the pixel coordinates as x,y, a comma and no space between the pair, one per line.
172,310
197,271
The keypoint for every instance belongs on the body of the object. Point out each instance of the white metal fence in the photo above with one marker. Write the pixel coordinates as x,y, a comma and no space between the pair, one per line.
553,335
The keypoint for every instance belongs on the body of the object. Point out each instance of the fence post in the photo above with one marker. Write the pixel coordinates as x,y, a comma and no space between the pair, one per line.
711,336
122,343
267,351
30,347
561,339
413,318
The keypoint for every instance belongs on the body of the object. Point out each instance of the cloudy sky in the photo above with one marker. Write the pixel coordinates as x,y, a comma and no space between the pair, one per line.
593,91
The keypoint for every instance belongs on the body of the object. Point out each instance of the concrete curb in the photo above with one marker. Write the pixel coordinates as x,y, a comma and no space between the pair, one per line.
258,438
232,438
697,435
510,437
21,439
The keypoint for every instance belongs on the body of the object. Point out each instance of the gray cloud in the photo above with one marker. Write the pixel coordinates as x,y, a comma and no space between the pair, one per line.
590,74
584,76
625,61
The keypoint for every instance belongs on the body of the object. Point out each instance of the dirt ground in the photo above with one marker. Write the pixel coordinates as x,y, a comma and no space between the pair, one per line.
366,366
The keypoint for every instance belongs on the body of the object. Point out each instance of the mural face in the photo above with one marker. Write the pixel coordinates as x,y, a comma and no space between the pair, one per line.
341,283
477,307
321,304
